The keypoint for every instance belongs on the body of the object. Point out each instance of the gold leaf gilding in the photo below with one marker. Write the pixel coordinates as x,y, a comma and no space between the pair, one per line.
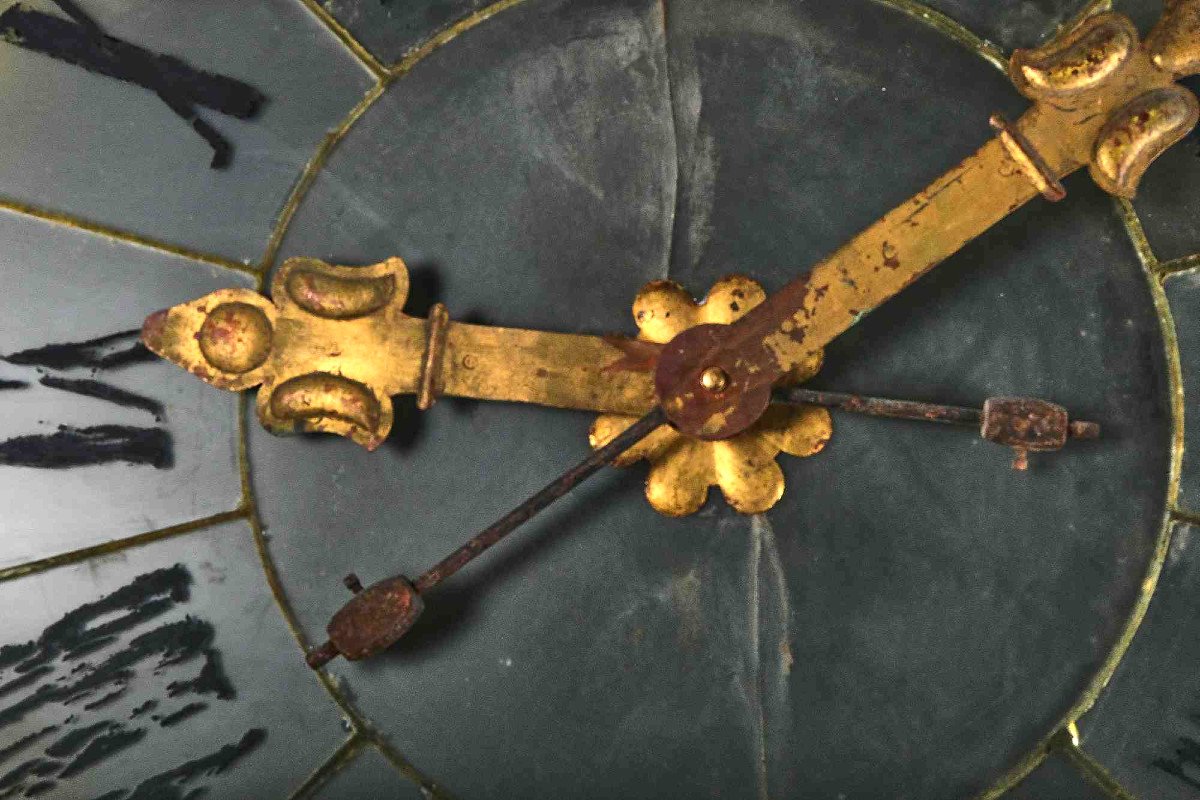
744,467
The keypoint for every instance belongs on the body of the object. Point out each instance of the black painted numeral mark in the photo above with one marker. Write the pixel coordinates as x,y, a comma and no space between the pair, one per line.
68,446
132,650
81,42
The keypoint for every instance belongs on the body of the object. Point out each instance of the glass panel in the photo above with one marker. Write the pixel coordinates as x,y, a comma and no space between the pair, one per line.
1056,779
369,775
909,585
1145,729
390,30
98,441
1183,293
156,673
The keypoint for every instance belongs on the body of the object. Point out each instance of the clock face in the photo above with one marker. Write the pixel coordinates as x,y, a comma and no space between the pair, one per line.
913,619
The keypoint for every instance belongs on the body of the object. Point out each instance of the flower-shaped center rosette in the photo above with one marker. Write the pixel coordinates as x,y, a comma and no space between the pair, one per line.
744,467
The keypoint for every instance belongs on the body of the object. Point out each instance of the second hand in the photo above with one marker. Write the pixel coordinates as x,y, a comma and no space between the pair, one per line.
377,616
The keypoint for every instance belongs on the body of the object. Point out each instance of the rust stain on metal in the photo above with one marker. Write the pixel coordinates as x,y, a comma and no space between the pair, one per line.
637,355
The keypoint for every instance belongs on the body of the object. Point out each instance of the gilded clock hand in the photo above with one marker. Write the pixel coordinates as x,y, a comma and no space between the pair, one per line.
379,615
1101,98
333,346
1025,424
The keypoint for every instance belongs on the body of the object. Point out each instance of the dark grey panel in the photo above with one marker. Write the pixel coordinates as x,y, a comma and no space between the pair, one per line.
525,173
800,123
1146,727
155,673
369,777
114,153
1183,293
924,574
589,656
952,576
391,28
1056,779
74,287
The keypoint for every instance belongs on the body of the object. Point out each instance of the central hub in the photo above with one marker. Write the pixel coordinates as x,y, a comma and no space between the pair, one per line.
702,399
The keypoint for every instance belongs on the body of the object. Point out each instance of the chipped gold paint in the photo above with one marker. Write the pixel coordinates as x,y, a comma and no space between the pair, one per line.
1175,39
744,467
934,19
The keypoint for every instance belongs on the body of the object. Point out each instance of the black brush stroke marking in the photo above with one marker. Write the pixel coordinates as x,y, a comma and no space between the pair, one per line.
25,741
1188,753
17,775
107,699
102,747
174,718
168,785
81,447
128,622
104,391
144,708
103,352
73,741
81,42
22,681
210,680
10,385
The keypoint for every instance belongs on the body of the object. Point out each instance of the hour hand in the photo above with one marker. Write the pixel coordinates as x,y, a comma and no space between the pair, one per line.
333,345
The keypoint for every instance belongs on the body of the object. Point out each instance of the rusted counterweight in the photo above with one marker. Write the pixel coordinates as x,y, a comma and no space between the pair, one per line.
378,616
1026,424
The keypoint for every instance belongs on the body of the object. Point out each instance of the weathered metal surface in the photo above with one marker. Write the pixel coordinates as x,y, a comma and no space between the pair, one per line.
1174,42
1078,82
372,621
378,616
435,351
1028,159
883,407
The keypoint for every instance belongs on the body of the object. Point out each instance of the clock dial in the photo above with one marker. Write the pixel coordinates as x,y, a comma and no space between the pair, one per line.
913,619
803,607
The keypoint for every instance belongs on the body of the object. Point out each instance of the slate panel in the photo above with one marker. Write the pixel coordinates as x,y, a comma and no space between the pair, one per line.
114,153
100,441
157,672
1146,727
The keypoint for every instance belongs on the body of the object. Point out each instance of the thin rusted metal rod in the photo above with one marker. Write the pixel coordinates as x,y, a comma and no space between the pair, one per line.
909,409
882,407
530,508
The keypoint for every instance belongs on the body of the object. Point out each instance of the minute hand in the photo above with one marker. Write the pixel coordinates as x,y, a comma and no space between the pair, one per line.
1101,99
